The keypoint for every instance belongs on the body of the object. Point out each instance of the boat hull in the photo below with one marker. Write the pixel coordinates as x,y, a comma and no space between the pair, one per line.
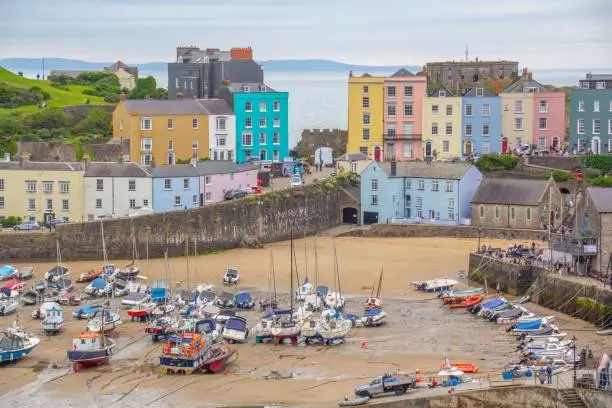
15,355
88,358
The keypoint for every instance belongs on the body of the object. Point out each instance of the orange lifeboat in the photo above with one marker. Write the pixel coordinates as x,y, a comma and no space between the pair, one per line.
468,301
465,367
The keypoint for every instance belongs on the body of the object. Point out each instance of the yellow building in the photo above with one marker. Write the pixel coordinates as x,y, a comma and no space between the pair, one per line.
442,125
165,131
365,115
517,119
39,191
126,74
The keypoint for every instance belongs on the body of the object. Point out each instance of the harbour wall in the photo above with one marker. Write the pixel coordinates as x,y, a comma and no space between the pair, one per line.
513,279
246,222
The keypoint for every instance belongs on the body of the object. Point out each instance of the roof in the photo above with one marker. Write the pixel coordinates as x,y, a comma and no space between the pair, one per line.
179,170
523,82
402,72
120,64
178,107
435,170
216,106
510,191
115,170
601,198
221,167
598,77
41,166
436,92
352,157
249,87
471,91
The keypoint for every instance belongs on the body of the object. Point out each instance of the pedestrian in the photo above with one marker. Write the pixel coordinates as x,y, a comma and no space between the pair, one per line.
542,376
498,288
549,373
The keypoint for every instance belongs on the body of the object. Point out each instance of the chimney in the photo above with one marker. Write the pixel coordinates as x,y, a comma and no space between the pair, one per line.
24,158
179,96
86,160
119,159
393,167
193,161
496,87
122,97
530,76
525,71
241,53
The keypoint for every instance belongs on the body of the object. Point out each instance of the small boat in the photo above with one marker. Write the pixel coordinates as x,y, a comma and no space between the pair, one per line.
57,272
54,320
90,349
7,272
128,273
205,287
216,358
464,367
86,311
231,276
134,299
346,402
225,300
16,344
235,330
70,298
530,326
99,287
491,304
104,319
374,317
161,327
141,311
468,301
40,286
185,325
372,303
162,310
459,293
531,317
243,300
41,312
223,316
268,303
8,306
25,273
207,326
122,287
435,285
14,286
30,297
604,332
89,275
544,332
209,311
206,298
304,289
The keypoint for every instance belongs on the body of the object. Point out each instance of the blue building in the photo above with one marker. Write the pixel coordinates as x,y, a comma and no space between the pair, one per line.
175,188
481,118
262,122
415,192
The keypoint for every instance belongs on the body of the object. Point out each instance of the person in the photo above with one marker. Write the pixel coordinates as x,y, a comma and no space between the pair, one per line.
542,375
549,373
498,288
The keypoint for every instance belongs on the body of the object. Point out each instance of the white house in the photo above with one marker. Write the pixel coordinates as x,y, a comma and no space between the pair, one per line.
221,130
116,190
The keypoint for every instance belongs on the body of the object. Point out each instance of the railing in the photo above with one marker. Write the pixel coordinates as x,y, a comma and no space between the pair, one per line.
402,136
574,244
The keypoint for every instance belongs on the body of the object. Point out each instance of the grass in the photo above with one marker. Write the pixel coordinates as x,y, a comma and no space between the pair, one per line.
58,97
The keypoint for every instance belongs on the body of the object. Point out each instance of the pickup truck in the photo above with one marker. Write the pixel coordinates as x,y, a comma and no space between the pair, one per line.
386,383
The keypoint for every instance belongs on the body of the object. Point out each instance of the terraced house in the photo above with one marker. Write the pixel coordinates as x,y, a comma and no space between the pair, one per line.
442,124
175,188
366,115
481,132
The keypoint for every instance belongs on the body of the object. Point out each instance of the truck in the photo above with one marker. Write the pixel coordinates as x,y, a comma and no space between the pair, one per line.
386,383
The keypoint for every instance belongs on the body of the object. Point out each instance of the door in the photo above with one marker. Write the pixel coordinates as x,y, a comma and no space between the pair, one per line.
428,149
555,144
262,155
468,148
370,217
504,146
595,145
377,153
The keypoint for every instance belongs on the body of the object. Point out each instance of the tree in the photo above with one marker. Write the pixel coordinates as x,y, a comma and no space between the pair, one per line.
49,118
97,121
145,88
161,93
10,126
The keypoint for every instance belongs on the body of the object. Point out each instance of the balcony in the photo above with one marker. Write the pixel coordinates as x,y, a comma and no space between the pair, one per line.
580,244
402,136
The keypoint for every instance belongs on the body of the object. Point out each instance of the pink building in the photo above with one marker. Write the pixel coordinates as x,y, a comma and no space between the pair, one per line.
403,115
217,177
549,120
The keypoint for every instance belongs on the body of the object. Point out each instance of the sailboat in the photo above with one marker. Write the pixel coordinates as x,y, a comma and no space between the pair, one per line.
131,270
284,325
306,288
374,315
263,328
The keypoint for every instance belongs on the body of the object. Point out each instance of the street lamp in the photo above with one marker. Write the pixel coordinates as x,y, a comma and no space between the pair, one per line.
478,248
574,348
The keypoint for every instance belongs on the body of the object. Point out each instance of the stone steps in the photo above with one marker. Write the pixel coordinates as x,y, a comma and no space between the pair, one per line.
572,399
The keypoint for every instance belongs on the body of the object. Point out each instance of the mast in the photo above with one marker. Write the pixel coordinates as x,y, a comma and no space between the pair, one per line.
195,255
379,283
337,272
273,273
316,267
187,257
103,242
305,256
291,261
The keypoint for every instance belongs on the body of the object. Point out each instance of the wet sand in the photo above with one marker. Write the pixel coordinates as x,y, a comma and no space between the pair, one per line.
418,332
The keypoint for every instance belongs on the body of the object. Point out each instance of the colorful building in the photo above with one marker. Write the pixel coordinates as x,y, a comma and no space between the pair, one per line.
175,188
481,124
590,127
218,177
403,115
262,122
366,115
40,191
222,133
442,125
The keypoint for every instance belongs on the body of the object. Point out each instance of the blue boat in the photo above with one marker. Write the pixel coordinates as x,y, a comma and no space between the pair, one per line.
243,300
322,291
206,326
7,272
16,344
530,326
235,330
85,311
159,295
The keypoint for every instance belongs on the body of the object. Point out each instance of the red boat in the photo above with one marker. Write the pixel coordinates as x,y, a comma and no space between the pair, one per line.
140,311
468,301
465,367
217,357
89,276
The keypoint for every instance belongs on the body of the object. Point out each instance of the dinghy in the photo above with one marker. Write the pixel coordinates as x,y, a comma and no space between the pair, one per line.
89,275
86,311
134,299
70,298
374,317
7,272
8,306
25,273
466,302
346,402
57,272
30,297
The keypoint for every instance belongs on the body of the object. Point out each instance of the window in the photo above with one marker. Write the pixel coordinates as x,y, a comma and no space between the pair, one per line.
543,124
186,183
1,202
49,205
468,110
366,119
145,202
146,159
543,107
585,85
167,184
1,184
445,146
468,129
408,128
434,128
609,129
518,106
528,214
496,212
512,213
132,203
146,143
262,138
596,126
275,138
435,185
146,124
276,106
98,203
131,185
248,153
408,109
581,145
208,180
262,106
481,211
65,205
363,150
518,123
391,91
248,107
449,186
374,184
177,201
580,126
434,109
408,184
208,196
596,106
449,110
365,134
442,93
366,89
248,122
221,124
195,144
170,145
419,207
262,122
247,139
374,199
31,204
580,106
47,186
120,124
99,185
610,109
390,110
486,129
170,124
221,140
408,91
600,85
449,128
276,122
485,147
486,109
479,91
31,186
365,102
421,185
391,129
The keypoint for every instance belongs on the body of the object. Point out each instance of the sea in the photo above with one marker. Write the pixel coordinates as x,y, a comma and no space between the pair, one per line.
319,100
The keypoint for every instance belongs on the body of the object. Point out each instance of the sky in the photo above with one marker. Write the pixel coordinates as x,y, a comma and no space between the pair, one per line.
540,34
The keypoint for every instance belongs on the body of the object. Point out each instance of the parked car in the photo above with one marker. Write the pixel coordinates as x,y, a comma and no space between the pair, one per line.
232,194
296,180
54,222
27,226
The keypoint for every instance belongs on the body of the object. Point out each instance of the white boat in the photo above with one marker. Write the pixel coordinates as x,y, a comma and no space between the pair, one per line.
123,288
304,290
162,310
54,320
99,287
313,302
209,311
41,312
555,333
374,317
302,314
263,328
205,287
8,306
333,329
285,329
134,299
57,272
111,321
435,285
235,330
231,276
310,328
185,325
550,349
531,317
334,300
604,332
544,343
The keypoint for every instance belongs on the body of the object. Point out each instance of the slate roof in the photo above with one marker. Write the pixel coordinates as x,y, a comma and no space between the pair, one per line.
120,64
435,170
41,166
402,72
598,77
154,107
472,91
253,87
510,191
115,170
523,82
601,198
179,170
221,167
216,106
436,92
352,157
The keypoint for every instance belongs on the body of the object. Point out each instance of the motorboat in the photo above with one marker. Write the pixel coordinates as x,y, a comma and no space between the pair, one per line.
334,300
127,274
30,297
207,326
90,349
304,289
244,300
225,300
99,287
25,273
545,344
54,320
123,287
7,272
104,319
487,313
206,297
60,284
89,275
464,303
435,285
223,316
141,311
161,327
8,306
162,310
550,330
374,317
15,344
491,304
460,293
86,311
530,326
231,276
209,311
189,310
510,316
235,330
70,298
134,299
14,285
183,297
532,317
57,272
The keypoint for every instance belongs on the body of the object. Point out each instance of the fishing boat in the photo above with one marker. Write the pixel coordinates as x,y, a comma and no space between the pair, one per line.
99,287
235,330
16,344
30,297
374,317
86,311
89,275
141,311
217,357
7,272
8,306
231,276
161,327
225,300
304,290
90,349
134,299
244,300
70,298
466,302
104,319
25,273
54,320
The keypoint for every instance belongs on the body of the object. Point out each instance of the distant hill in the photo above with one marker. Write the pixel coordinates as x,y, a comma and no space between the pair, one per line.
311,65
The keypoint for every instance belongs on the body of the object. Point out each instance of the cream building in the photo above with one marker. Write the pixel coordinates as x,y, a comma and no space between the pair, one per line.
442,125
127,75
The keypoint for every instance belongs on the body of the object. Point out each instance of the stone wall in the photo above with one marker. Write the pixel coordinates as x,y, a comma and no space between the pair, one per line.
47,151
595,398
266,218
78,112
556,162
312,139
513,279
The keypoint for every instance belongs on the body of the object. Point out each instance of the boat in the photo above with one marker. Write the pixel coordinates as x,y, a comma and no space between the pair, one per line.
134,299
322,291
223,316
14,286
460,293
547,344
545,332
511,315
30,297
235,330
374,317
207,326
188,311
491,304
15,344
104,319
90,349
375,302
310,328
466,302
216,358
130,272
159,295
99,287
7,272
304,290
244,300
532,317
284,326
122,287
334,300
205,298
86,311
162,310
346,402
89,275
57,272
25,273
312,302
435,285
604,332
225,300
209,311
202,287
54,320
70,298
141,311
231,276
183,354
161,327
185,324
331,328
530,326
463,367
8,306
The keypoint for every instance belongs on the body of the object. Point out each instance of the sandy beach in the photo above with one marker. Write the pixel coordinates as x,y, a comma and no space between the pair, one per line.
418,333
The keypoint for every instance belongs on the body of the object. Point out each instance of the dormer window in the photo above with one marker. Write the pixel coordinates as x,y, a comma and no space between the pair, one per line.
479,91
442,93
585,85
245,88
262,88
600,85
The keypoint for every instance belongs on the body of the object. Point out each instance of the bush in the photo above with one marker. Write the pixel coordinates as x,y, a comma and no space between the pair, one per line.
111,99
13,97
10,126
50,118
560,175
488,162
600,182
599,161
592,173
97,121
10,221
